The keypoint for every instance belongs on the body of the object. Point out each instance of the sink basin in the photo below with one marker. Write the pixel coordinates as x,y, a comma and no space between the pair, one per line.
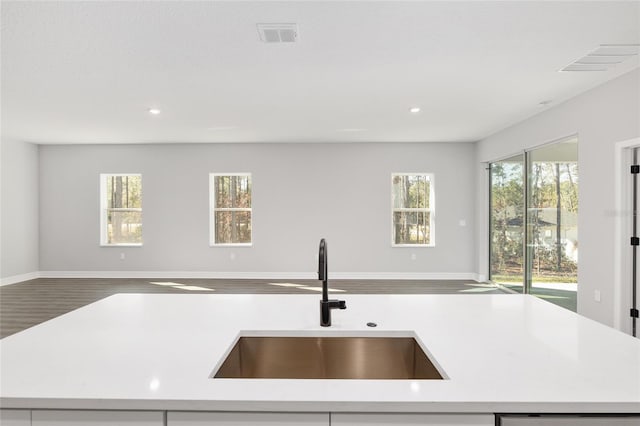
327,358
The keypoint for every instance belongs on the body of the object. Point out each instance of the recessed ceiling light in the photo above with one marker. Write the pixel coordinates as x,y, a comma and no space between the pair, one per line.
154,111
414,110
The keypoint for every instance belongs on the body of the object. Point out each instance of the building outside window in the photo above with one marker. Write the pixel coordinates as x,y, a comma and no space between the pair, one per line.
121,209
230,215
413,209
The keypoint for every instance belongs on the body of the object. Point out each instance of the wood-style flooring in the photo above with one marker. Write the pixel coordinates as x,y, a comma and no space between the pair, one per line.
29,303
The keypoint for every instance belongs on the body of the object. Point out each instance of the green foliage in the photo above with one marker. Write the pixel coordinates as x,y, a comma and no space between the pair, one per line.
124,191
551,185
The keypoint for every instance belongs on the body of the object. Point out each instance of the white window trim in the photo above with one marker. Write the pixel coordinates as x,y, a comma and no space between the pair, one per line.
104,207
212,209
431,210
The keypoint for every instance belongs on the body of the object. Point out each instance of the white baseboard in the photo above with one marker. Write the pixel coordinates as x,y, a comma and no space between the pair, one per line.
263,275
19,278
179,274
403,275
246,275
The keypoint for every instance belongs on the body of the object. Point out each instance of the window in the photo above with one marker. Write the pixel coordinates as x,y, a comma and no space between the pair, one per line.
230,209
121,209
412,209
533,209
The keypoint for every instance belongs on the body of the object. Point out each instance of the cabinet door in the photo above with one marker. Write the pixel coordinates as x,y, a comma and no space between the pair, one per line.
388,419
176,418
15,417
552,420
96,418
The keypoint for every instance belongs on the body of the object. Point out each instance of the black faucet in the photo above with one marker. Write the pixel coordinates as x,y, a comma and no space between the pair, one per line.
326,305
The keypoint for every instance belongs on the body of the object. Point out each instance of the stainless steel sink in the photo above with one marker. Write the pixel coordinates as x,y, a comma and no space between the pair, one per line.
327,358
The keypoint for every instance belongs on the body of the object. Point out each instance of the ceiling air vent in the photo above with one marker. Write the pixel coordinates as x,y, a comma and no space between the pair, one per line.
605,57
278,33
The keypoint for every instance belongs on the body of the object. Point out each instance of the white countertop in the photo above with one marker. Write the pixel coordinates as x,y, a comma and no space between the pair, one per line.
501,353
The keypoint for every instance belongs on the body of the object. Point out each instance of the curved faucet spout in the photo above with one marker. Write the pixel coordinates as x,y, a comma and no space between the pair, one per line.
326,305
323,269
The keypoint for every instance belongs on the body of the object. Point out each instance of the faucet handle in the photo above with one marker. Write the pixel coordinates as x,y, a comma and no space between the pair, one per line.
325,310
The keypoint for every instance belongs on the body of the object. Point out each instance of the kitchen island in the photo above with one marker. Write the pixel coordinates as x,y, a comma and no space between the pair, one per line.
155,354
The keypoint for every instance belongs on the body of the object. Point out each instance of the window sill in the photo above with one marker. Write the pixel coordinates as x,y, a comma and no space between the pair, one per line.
413,245
120,245
231,245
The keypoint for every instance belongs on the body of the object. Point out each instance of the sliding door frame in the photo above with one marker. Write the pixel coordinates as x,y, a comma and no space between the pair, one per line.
489,164
527,252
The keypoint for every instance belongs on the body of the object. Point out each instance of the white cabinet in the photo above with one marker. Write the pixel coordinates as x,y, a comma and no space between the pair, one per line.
382,419
15,417
96,418
551,420
176,418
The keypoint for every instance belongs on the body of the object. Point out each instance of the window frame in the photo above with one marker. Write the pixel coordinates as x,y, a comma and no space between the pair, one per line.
431,210
213,209
104,209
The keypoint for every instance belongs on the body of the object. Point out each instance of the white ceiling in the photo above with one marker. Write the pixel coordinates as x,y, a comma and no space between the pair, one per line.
87,72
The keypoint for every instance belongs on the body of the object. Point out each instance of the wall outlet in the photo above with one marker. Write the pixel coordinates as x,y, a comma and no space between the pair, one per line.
462,222
596,295
232,256
122,256
413,256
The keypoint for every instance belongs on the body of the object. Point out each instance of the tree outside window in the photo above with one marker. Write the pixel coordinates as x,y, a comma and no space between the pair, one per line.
230,209
412,209
121,209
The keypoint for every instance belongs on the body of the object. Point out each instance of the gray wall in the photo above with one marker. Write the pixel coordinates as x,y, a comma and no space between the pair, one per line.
19,211
600,117
301,192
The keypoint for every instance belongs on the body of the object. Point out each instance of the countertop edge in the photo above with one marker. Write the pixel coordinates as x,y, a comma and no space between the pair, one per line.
478,407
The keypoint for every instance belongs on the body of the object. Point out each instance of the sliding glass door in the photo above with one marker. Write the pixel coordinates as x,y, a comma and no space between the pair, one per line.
507,219
534,222
552,222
